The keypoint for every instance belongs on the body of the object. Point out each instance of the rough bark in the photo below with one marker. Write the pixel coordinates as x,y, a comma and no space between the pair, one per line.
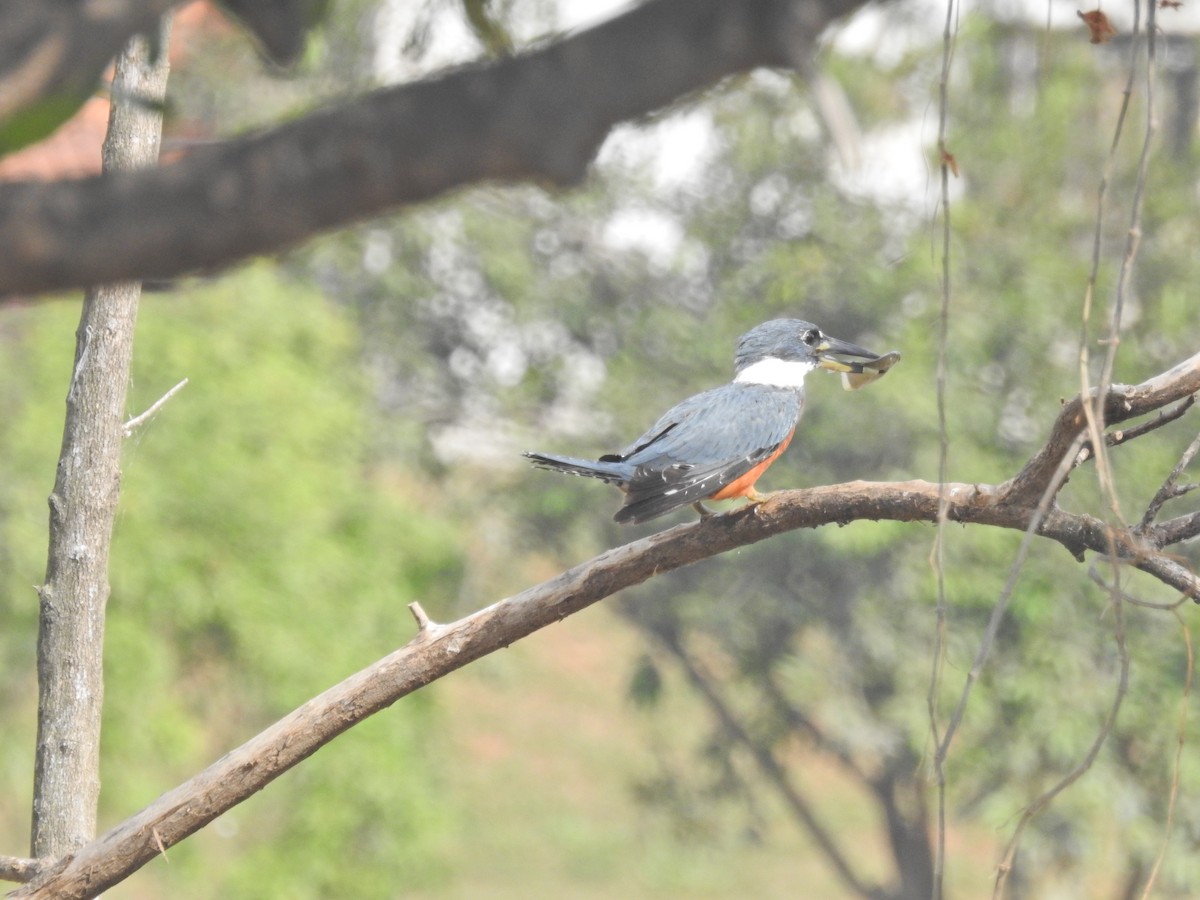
18,868
540,116
440,649
82,510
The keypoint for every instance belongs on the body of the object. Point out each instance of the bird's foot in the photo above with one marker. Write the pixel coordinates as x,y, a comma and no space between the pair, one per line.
705,512
755,498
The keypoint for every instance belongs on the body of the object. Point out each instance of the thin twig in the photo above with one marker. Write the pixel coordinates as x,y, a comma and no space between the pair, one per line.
938,553
1095,419
1168,491
1180,741
1094,574
1006,593
1094,412
1089,758
1134,236
158,842
1125,435
1166,417
158,404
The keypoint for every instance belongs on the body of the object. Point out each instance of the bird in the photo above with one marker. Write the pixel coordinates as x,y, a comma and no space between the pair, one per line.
716,444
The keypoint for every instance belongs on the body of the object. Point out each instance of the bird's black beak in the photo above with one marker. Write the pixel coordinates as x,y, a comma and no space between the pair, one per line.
855,375
830,348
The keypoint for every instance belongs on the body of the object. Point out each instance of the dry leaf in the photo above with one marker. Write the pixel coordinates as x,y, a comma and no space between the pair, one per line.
1170,4
1098,24
950,162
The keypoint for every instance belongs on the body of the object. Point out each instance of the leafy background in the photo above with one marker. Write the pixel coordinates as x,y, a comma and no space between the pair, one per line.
349,442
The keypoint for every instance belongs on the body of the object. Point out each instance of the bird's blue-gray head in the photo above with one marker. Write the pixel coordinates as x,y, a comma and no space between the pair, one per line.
782,351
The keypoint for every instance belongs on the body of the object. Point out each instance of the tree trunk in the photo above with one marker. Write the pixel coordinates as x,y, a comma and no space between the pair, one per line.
84,501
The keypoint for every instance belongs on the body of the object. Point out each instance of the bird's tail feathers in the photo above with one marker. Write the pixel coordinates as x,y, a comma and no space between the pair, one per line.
609,472
641,506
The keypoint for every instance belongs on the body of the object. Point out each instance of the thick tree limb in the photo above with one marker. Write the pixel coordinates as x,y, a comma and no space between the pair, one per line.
1172,531
540,116
1123,402
440,649
55,50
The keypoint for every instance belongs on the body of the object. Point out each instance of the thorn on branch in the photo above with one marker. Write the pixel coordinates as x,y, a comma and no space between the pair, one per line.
424,623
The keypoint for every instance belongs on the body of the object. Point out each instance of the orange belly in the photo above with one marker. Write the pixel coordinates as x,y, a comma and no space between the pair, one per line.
745,484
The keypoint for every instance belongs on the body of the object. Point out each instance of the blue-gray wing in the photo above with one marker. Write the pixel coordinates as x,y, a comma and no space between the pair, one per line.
704,444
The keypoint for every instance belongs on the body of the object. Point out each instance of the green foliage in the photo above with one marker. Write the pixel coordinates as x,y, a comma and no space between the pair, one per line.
264,551
256,562
843,619
38,120
507,306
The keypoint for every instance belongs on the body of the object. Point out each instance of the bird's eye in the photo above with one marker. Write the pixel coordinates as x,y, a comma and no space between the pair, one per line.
811,337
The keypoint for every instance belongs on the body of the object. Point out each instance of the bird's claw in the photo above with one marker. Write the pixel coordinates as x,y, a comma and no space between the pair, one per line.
756,499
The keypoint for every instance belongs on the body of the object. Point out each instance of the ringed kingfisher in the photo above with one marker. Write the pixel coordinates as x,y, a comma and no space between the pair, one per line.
716,444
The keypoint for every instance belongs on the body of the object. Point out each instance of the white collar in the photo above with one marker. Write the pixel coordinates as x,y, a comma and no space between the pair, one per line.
775,372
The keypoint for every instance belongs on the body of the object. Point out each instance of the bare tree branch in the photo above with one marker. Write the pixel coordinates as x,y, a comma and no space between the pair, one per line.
1125,435
17,868
83,508
937,556
441,648
1172,531
1169,491
1180,741
1115,590
540,116
1122,403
